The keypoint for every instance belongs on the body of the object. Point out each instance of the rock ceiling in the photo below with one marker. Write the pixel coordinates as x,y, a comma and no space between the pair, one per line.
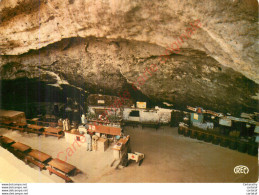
108,44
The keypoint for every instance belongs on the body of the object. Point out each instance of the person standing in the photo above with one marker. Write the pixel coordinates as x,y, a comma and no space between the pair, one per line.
64,125
83,119
68,124
88,142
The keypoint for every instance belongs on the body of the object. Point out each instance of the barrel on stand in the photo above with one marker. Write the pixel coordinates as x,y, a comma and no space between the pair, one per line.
186,132
208,137
242,146
224,142
252,149
193,134
216,140
200,135
233,144
180,130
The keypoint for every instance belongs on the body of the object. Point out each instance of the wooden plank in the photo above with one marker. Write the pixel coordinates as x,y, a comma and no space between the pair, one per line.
40,156
20,147
62,166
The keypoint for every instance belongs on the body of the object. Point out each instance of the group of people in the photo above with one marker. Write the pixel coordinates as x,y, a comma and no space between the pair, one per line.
66,124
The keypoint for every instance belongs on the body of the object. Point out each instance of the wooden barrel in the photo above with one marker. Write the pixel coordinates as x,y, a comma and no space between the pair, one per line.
186,132
242,146
193,134
252,149
224,142
200,135
216,140
208,137
232,144
180,130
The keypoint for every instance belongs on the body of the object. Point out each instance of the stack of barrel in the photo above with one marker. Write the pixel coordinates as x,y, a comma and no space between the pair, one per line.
235,143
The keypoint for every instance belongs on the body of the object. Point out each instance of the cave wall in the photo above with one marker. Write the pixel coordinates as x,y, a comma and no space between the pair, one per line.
107,45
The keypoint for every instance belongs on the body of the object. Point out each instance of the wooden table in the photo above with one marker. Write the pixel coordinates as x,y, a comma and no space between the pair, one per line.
62,166
18,126
105,129
54,131
6,140
40,156
37,158
35,129
21,147
122,142
6,122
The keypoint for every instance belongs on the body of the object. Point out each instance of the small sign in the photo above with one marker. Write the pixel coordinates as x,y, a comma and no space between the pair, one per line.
195,116
141,104
100,101
225,122
241,169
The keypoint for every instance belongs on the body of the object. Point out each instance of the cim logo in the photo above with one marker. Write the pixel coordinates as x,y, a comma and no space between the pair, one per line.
241,169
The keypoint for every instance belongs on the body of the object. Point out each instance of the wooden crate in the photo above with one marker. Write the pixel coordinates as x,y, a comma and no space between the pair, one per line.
102,144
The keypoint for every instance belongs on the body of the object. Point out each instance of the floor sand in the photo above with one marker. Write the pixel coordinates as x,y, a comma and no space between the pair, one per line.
169,157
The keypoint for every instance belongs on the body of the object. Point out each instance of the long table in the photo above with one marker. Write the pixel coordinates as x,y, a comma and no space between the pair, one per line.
21,147
35,129
105,129
6,140
40,156
37,158
62,166
54,132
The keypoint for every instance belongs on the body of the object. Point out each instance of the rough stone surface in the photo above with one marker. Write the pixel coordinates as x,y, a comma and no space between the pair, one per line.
108,44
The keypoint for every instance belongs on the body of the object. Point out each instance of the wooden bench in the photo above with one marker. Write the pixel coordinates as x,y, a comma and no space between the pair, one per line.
17,153
56,135
17,128
28,130
54,132
67,179
153,125
38,164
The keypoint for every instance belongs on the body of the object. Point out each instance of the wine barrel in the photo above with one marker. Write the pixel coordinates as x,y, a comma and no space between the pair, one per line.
232,144
193,134
224,142
216,140
180,130
186,132
208,137
252,149
242,146
200,135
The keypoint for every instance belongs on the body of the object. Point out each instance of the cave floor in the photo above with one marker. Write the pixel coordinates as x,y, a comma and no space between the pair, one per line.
169,157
